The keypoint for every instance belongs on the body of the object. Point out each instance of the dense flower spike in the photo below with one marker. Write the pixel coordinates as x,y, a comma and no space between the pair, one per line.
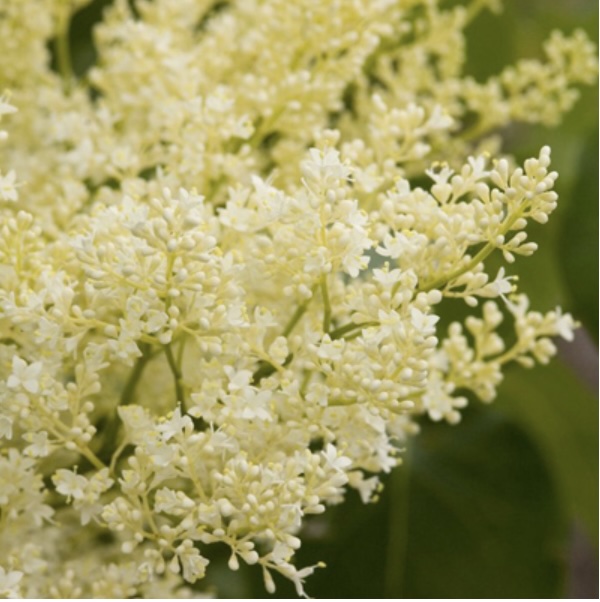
221,284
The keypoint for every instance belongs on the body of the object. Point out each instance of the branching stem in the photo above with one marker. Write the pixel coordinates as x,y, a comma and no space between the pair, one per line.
481,256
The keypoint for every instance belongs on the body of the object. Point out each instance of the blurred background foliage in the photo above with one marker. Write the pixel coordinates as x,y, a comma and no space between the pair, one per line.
506,503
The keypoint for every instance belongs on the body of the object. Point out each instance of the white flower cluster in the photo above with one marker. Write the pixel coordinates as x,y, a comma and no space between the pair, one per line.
209,332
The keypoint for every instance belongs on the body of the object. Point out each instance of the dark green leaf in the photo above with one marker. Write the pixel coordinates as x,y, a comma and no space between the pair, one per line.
473,513
562,415
483,520
579,239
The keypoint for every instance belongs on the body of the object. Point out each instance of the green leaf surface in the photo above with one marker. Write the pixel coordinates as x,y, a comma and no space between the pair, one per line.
562,414
473,513
483,520
578,241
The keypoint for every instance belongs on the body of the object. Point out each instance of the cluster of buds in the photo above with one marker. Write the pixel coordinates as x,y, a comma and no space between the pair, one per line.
222,275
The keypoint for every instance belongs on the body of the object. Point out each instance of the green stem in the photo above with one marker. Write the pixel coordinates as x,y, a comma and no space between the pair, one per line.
300,311
179,397
443,280
305,381
326,305
356,334
63,52
112,426
92,458
508,355
180,352
265,369
116,455
342,331
477,130
128,393
479,258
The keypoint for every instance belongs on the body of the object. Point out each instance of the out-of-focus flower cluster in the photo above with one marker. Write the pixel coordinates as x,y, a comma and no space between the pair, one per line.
221,283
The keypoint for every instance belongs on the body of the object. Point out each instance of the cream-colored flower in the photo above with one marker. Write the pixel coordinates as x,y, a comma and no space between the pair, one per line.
25,375
224,255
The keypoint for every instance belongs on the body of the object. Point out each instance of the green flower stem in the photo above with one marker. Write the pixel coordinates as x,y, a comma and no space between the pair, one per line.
113,424
344,331
264,128
128,393
477,130
300,311
265,368
326,305
443,280
305,382
63,52
509,355
179,396
116,455
87,453
479,258
62,432
180,353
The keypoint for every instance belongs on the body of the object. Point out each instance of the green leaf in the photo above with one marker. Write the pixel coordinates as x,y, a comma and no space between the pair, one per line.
579,239
483,517
562,415
473,513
